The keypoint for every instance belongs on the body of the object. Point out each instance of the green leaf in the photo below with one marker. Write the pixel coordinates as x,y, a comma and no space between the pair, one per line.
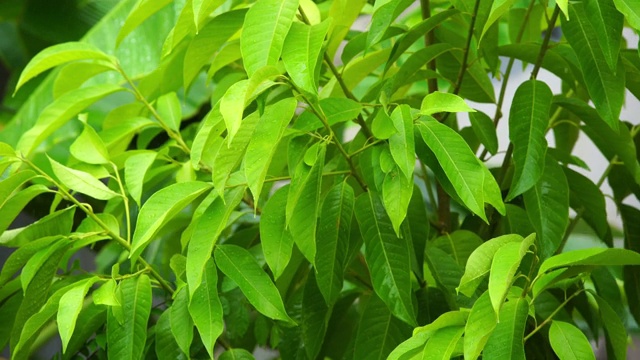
506,342
587,199
92,318
569,342
388,257
166,346
241,267
232,151
437,102
605,86
479,262
402,143
35,262
483,127
205,234
396,195
161,207
336,110
135,169
181,324
480,325
630,10
277,243
263,144
232,106
379,331
315,317
143,10
71,76
614,329
460,244
332,252
265,29
476,84
410,349
631,274
207,141
106,294
127,339
414,63
89,147
301,52
528,121
442,344
236,354
382,18
607,23
69,308
209,40
12,183
59,54
205,307
303,202
16,203
170,110
503,268
591,257
59,112
563,5
548,208
81,182
498,9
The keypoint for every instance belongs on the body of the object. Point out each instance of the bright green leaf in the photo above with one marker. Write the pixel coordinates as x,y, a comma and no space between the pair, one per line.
205,308
81,182
396,195
630,10
143,10
135,168
277,243
485,130
482,320
181,324
69,308
569,342
170,110
402,143
301,52
89,147
443,102
382,18
591,257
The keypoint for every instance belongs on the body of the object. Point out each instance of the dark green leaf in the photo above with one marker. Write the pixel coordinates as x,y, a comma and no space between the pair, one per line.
205,308
166,346
181,324
607,23
587,199
81,182
315,316
614,330
591,257
485,130
337,110
236,354
277,243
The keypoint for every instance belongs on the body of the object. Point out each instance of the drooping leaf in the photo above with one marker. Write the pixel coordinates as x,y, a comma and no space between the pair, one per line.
277,242
480,325
614,329
528,121
265,28
443,102
181,324
143,10
60,54
69,308
587,199
205,234
160,208
379,331
498,9
81,182
485,131
126,339
205,308
387,256
135,168
630,11
382,18
506,341
315,317
170,110
547,204
332,252
396,195
166,346
301,52
89,147
591,257
569,342
241,267
443,343
336,110
479,262
607,23
264,141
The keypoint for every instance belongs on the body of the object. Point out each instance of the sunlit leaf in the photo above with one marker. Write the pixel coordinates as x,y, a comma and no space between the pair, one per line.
506,341
277,243
81,182
480,325
141,12
70,305
443,102
569,342
205,307
301,52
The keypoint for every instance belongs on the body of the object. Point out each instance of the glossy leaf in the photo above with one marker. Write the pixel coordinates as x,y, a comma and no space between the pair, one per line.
460,244
135,168
630,11
437,102
89,147
382,18
160,208
506,341
503,269
81,182
332,252
587,199
548,207
16,203
569,342
264,141
301,52
141,12
315,317
396,195
265,29
614,329
336,110
480,325
127,338
181,324
528,121
69,308
208,141
241,267
205,307
277,242
607,23
401,143
166,346
591,257
442,344
388,257
484,129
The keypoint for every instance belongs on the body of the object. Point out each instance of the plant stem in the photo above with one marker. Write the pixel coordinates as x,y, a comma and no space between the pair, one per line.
545,43
429,39
125,200
548,319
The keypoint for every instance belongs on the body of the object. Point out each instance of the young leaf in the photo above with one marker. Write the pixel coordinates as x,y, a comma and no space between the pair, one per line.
569,342
69,308
443,343
402,143
630,11
170,110
548,207
135,168
265,28
301,52
396,195
106,294
126,339
528,121
264,141
160,208
143,10
277,243
506,342
479,263
205,307
480,325
503,268
60,54
443,102
205,234
484,129
379,331
92,317
388,257
332,252
591,257
181,324
241,267
81,182
89,147
59,112
382,18
208,141
232,106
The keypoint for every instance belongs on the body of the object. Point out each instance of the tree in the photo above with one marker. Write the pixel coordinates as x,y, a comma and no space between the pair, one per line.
244,181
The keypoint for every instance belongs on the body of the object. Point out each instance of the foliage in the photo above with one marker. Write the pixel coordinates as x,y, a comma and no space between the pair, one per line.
244,183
